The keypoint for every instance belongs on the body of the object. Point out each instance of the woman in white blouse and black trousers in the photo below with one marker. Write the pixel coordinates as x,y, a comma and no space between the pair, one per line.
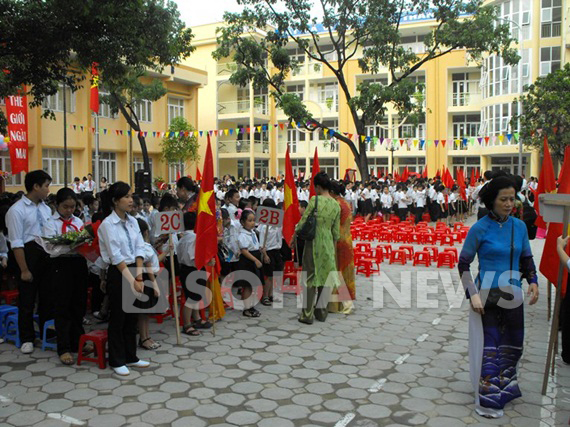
122,248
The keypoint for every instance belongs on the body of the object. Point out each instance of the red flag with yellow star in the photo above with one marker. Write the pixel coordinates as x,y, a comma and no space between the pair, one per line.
206,224
290,201
94,99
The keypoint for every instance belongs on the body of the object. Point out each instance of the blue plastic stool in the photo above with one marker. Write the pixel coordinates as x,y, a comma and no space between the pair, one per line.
5,310
12,331
52,342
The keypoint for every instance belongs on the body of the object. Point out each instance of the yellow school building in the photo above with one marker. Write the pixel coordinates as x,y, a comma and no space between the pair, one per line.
468,105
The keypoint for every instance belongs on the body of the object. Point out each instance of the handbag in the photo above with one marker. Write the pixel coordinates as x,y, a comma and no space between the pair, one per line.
495,294
309,228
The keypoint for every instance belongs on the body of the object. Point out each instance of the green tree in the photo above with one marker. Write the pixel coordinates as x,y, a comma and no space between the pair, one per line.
177,148
546,112
349,26
45,43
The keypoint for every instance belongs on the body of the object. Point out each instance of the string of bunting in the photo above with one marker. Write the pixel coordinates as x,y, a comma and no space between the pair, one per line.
328,133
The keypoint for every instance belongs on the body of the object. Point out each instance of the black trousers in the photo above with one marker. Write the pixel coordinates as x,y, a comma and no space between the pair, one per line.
39,265
69,285
565,323
419,212
402,212
97,295
122,330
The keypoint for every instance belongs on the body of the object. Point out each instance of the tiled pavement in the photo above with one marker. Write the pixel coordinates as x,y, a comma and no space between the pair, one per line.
377,367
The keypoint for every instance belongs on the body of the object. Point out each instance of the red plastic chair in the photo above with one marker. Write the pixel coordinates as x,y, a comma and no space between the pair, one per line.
433,250
399,256
409,251
10,297
366,266
417,238
422,258
99,340
447,239
402,236
457,226
385,236
386,250
362,247
446,259
453,251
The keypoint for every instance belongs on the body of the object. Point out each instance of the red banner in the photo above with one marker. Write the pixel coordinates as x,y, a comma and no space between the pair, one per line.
17,114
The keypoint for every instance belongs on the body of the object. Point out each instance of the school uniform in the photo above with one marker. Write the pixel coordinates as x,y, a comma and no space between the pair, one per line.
230,240
442,206
366,202
120,241
25,221
452,200
77,188
402,201
89,186
232,210
247,239
304,195
150,260
278,197
420,199
386,201
263,194
69,276
186,254
273,243
433,207
375,200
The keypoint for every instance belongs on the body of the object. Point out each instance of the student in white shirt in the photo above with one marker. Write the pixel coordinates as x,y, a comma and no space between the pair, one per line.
122,248
230,239
402,200
25,220
151,263
232,202
271,239
303,193
77,186
89,185
186,255
249,260
279,196
68,278
420,199
386,202
375,199
264,193
366,202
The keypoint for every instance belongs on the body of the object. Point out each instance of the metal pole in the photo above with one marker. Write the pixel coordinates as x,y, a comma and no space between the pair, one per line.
64,137
97,172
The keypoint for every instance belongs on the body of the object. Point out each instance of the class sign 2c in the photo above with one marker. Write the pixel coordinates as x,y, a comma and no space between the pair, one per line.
269,216
170,222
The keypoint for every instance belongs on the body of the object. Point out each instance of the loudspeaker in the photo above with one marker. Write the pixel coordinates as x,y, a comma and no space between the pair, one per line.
143,184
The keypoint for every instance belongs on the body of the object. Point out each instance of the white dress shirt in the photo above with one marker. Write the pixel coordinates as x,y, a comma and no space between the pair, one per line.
25,221
421,198
186,248
247,239
151,258
89,185
274,237
120,241
231,234
77,187
278,197
56,226
232,210
402,200
3,246
386,200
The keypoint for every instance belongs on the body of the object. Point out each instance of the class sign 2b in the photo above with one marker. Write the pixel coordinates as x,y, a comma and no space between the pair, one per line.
170,222
269,216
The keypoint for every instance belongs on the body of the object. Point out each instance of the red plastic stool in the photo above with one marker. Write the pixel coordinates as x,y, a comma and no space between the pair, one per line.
426,217
385,236
428,237
99,340
433,250
457,226
9,296
386,249
409,251
422,258
447,239
453,251
402,236
366,266
293,286
400,256
416,237
446,259
362,247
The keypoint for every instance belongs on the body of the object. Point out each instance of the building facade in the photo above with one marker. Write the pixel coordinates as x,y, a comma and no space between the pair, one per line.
120,153
467,105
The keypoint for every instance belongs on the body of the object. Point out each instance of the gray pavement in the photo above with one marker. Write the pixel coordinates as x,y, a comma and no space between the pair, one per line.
386,366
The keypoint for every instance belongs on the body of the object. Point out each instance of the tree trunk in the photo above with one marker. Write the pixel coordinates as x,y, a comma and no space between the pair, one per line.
144,150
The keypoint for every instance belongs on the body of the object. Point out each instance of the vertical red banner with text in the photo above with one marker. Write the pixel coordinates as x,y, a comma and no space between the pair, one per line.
17,114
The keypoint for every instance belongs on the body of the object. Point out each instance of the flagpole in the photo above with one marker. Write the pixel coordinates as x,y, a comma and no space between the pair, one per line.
174,292
97,172
64,137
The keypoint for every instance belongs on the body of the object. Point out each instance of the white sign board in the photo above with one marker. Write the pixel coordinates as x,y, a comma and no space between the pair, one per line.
552,206
269,216
170,222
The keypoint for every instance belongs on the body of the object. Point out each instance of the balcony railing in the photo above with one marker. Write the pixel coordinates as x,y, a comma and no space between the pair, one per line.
261,147
244,106
465,99
233,146
324,146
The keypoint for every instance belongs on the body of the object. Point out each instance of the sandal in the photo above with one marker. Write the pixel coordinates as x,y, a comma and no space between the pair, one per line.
189,330
67,359
200,324
266,301
251,312
151,346
88,348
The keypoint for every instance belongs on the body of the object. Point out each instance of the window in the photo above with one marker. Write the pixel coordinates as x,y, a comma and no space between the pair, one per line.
295,137
465,126
549,60
550,18
297,57
332,143
378,165
413,43
379,131
299,90
298,166
509,164
107,165
53,164
175,170
5,165
407,130
143,110
175,108
330,166
104,109
138,163
243,168
55,102
261,169
517,14
414,164
327,96
468,164
496,119
463,89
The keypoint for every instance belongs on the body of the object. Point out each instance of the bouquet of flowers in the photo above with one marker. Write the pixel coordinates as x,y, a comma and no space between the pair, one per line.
83,242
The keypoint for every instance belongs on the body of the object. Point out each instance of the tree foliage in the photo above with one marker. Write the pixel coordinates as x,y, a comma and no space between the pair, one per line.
546,112
349,26
45,43
180,149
